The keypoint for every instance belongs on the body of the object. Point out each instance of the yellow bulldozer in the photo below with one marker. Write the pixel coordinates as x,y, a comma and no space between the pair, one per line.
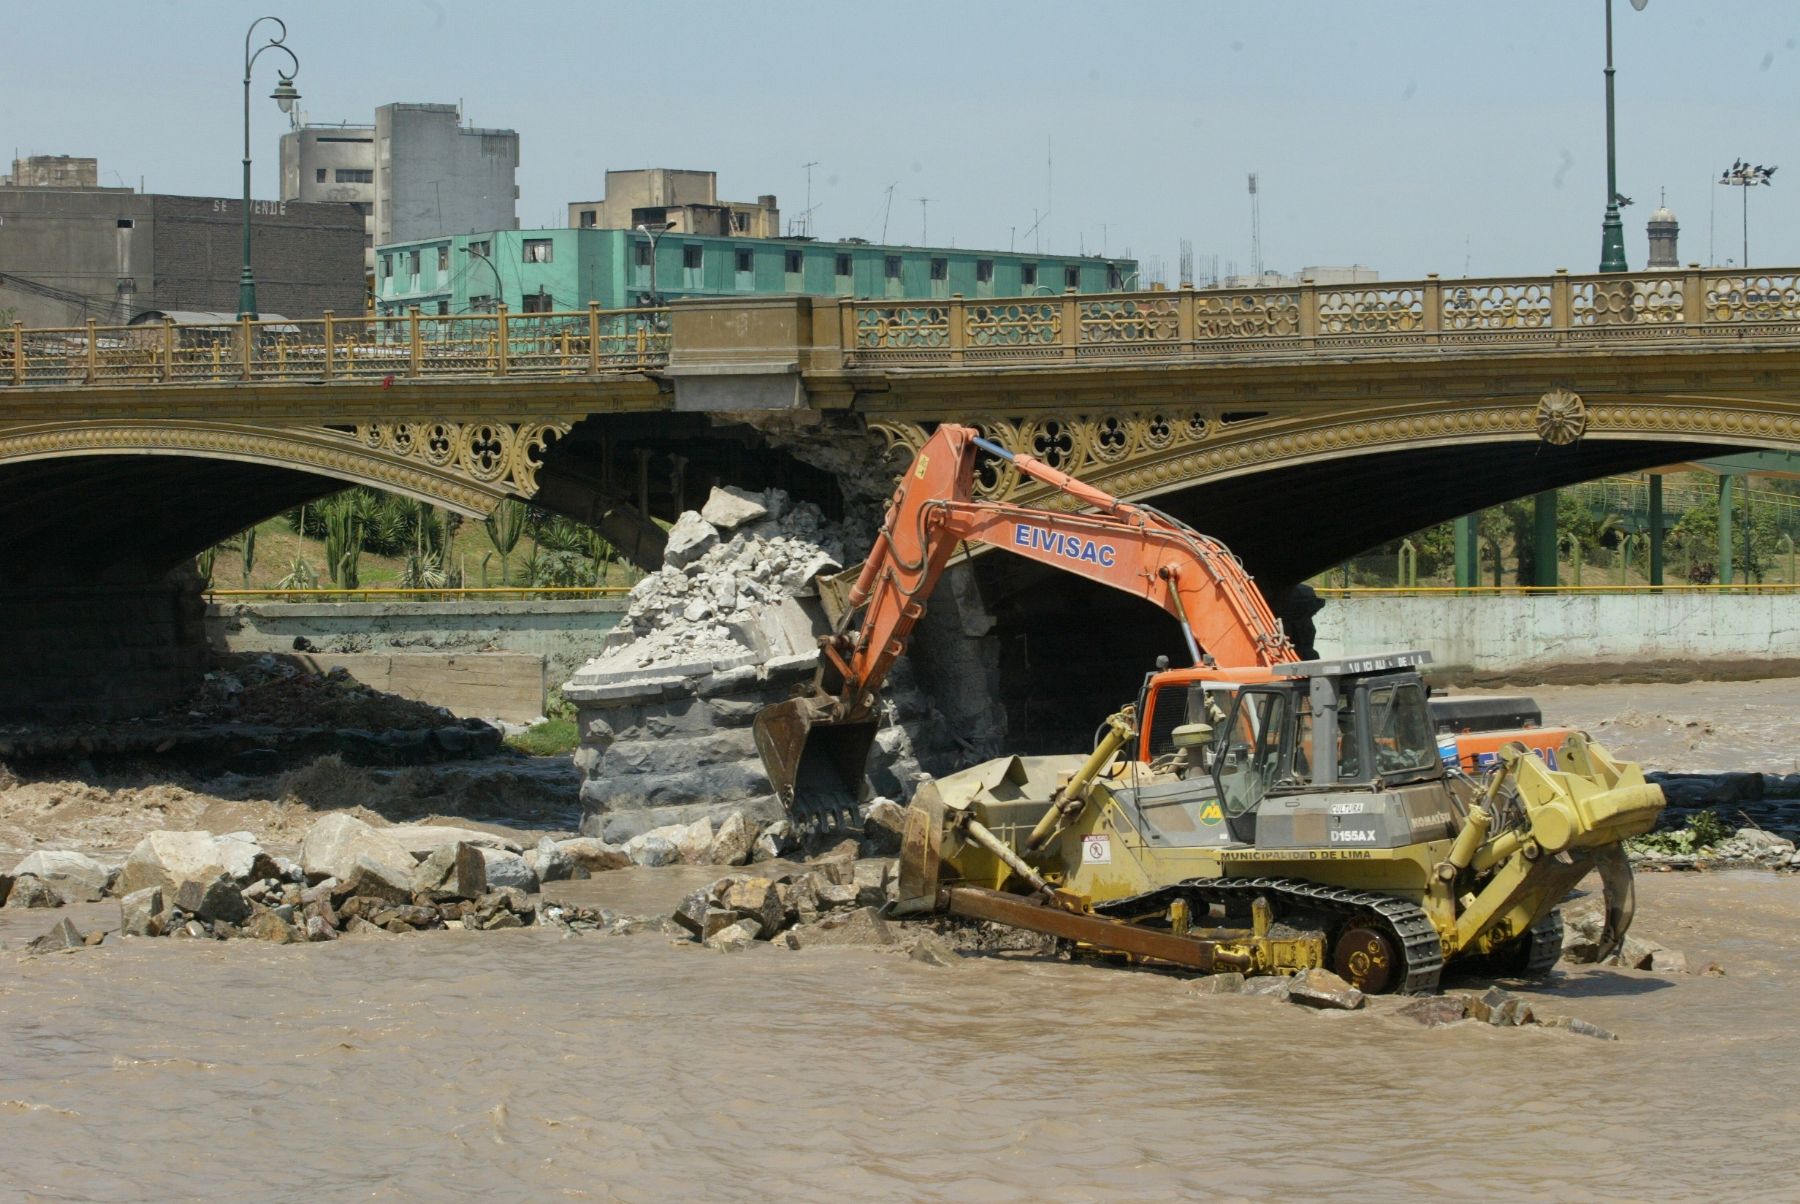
1249,812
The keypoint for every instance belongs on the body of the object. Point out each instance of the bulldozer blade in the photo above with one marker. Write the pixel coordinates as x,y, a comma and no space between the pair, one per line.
920,853
818,768
1620,895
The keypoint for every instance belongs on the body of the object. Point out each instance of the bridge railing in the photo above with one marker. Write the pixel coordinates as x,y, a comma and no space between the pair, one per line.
1339,318
578,342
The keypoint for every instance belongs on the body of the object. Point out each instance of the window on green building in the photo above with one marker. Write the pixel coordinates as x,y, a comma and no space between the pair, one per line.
481,303
1115,278
536,303
484,247
843,265
539,250
412,262
746,260
691,255
443,307
1028,274
1071,277
891,267
642,252
791,262
984,271
444,258
940,269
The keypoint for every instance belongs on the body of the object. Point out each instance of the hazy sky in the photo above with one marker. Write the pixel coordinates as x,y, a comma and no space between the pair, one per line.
1453,136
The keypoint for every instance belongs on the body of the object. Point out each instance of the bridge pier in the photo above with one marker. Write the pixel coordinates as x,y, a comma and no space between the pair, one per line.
1656,529
1543,539
103,650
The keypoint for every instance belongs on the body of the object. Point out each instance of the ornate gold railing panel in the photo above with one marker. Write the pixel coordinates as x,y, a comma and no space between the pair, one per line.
576,343
1378,319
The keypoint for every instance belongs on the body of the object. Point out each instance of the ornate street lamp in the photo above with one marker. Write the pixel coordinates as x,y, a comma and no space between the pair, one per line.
284,95
1742,175
1612,230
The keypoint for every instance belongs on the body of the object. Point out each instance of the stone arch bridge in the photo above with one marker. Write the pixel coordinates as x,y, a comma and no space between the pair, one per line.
1299,424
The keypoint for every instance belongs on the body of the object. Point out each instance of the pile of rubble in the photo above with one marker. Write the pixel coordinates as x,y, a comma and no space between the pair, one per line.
1747,848
728,625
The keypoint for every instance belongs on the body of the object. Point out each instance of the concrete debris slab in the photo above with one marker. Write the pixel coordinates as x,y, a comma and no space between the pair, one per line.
690,538
728,507
75,876
1322,989
168,859
337,843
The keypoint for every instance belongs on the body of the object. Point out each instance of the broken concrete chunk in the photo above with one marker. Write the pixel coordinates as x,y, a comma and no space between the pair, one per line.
933,950
775,841
77,877
243,858
507,870
267,926
1277,985
1226,982
689,539
694,841
220,899
728,507
1668,961
168,859
883,822
734,938
457,871
759,900
593,854
864,926
1317,988
1435,1011
652,849
335,845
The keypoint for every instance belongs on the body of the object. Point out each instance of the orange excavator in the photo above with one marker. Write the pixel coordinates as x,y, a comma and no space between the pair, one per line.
1305,800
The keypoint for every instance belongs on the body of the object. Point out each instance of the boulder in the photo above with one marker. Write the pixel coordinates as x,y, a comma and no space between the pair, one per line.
833,897
551,864
335,845
1435,1011
593,854
77,877
267,926
733,939
220,899
774,842
1277,985
1502,1009
864,926
422,840
1668,961
32,891
691,913
757,899
717,919
1317,988
457,871
883,822
6,885
733,842
654,847
371,881
243,858
693,842
838,865
871,879
1225,982
319,929
933,950
1759,842
141,912
64,936
508,870
728,507
689,539
168,859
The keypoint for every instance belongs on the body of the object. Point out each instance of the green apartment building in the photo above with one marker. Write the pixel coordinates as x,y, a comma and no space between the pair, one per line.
533,271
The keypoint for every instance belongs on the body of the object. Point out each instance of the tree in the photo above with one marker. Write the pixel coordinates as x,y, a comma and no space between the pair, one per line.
504,527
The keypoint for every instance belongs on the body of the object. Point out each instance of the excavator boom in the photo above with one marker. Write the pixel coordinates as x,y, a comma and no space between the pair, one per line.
814,747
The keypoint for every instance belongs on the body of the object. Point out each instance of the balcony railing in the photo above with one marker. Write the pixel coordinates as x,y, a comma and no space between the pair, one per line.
575,343
1376,319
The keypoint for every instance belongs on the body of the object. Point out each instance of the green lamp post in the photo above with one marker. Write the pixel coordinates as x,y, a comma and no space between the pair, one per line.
1612,230
284,95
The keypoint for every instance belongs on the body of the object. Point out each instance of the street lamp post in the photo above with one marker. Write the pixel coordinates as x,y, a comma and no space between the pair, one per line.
499,285
651,230
284,95
1742,175
1612,230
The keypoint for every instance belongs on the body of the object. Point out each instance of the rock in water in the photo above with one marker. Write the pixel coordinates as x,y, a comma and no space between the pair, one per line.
1277,985
220,899
508,869
593,854
336,844
652,849
1435,1011
864,926
141,912
64,936
732,844
168,859
1318,988
933,950
733,938
77,877
456,871
728,507
243,858
757,899
267,926
30,891
1225,982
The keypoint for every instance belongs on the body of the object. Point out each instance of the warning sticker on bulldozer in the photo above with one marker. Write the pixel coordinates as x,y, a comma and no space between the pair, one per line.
1097,849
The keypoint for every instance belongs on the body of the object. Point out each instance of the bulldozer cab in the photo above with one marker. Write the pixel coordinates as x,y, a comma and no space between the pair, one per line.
1322,726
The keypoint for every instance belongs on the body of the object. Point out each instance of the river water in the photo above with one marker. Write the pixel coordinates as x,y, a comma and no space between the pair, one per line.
516,1064
463,1065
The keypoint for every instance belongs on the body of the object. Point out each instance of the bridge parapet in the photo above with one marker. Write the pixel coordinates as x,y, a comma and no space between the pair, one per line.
1382,319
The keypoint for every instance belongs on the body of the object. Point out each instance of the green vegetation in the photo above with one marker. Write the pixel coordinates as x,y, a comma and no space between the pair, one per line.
1704,830
552,737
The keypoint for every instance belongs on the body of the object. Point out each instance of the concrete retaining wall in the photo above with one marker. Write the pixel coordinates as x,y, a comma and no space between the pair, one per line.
564,633
1575,636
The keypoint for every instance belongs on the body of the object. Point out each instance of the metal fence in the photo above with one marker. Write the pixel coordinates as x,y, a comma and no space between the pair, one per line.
579,342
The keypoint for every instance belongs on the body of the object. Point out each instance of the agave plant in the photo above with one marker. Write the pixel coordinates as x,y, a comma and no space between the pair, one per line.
300,575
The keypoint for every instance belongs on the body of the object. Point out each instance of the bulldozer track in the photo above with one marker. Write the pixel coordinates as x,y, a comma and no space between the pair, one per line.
1546,937
1420,944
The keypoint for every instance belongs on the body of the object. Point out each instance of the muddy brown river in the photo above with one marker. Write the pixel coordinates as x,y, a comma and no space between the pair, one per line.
452,1065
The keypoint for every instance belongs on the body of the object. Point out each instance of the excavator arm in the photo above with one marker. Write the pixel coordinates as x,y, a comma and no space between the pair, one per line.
815,747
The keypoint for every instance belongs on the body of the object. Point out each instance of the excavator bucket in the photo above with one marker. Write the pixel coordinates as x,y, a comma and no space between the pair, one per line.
817,767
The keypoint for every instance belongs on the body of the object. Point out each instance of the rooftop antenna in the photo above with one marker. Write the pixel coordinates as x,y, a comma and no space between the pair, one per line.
807,216
1037,221
1256,265
888,209
924,236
